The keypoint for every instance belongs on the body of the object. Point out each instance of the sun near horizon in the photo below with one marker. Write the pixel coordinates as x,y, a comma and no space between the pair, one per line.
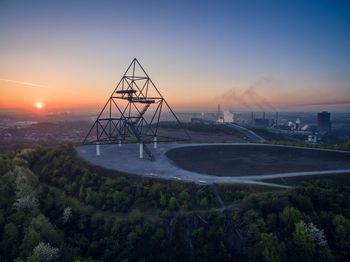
39,105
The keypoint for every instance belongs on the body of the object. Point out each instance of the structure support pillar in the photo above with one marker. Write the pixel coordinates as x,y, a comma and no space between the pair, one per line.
141,149
98,149
155,142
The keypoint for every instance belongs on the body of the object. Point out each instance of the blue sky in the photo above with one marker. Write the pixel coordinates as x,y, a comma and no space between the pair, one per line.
195,51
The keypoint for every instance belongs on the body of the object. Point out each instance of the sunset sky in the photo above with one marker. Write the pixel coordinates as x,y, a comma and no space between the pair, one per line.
245,55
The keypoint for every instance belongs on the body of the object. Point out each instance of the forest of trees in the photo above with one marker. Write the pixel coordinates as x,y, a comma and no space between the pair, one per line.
56,207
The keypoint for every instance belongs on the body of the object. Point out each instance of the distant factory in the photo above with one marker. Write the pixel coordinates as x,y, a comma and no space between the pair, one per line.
263,122
311,126
324,124
224,116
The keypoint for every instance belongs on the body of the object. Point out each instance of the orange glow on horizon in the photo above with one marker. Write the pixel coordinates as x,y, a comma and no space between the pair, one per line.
76,95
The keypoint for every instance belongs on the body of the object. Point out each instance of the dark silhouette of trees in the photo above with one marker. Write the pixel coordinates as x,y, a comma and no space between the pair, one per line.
86,213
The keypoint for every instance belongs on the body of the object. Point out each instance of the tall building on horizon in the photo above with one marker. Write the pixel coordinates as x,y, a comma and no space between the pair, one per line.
324,124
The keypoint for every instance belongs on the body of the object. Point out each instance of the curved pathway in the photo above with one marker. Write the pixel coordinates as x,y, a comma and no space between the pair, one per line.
125,159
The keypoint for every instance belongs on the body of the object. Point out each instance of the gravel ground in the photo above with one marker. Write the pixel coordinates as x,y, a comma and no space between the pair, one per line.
219,163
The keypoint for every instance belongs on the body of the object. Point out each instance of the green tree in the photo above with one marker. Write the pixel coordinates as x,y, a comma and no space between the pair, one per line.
8,245
271,248
303,243
162,200
117,197
184,199
204,202
135,216
5,166
30,240
82,192
47,231
172,204
90,196
132,238
342,231
289,217
184,196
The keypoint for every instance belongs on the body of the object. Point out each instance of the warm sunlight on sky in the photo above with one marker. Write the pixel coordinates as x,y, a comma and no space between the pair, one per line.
39,105
246,55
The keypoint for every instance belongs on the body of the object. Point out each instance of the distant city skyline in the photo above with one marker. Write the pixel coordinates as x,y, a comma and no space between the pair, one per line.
245,55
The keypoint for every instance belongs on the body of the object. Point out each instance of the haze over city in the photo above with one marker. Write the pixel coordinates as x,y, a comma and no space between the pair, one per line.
245,55
172,130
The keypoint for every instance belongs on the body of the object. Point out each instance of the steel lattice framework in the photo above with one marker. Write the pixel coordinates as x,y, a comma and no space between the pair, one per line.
133,113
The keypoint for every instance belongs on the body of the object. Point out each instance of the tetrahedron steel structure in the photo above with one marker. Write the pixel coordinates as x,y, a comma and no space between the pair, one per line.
136,112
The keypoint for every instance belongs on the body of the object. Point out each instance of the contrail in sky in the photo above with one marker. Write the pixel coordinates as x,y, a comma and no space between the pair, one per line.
21,82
